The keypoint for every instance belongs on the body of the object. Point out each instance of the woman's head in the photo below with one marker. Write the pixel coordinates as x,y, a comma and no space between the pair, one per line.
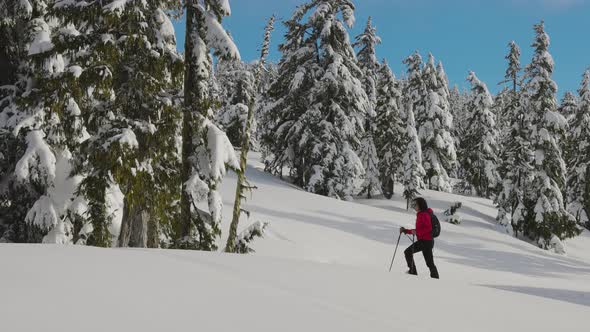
420,204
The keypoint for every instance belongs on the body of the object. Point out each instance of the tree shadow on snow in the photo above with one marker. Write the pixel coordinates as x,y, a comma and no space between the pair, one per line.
525,262
375,230
565,295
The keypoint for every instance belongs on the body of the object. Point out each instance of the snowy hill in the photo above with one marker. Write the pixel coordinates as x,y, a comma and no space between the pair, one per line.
321,267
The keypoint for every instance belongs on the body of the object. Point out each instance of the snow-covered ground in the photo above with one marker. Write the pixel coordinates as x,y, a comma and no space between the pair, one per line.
323,266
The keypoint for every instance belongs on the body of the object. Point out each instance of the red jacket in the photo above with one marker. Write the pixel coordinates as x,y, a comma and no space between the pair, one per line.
423,226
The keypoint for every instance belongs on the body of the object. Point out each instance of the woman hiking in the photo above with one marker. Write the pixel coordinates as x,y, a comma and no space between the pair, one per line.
425,241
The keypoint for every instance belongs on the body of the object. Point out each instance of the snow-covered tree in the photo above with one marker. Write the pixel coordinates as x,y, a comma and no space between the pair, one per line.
123,71
480,143
414,97
578,156
235,80
516,153
42,122
317,104
569,105
206,150
390,130
366,43
548,220
367,60
508,99
512,75
16,197
242,186
434,125
368,155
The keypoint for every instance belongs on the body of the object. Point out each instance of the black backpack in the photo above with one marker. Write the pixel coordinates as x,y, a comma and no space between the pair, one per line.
435,226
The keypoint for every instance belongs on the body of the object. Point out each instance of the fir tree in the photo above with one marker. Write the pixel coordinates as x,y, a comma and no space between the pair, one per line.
17,21
578,156
367,60
233,242
548,220
317,103
237,86
368,155
121,80
389,130
206,150
516,154
414,97
569,105
480,143
434,124
46,128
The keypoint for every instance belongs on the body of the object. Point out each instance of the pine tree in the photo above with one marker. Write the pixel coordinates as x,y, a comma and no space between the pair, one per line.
548,221
578,156
434,125
206,150
414,97
317,103
480,143
389,130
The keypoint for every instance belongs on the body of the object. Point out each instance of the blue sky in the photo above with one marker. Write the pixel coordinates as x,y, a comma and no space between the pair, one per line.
464,34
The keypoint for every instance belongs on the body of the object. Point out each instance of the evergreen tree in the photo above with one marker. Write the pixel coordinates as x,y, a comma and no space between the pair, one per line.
17,21
480,143
569,105
516,154
578,156
233,242
44,126
122,72
414,97
206,150
237,89
389,130
434,125
458,106
548,221
512,75
317,103
367,60
368,155
507,99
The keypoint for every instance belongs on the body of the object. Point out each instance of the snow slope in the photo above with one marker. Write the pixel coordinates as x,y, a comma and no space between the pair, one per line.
321,267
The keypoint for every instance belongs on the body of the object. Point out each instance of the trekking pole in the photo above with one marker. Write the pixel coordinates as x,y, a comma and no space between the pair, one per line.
398,238
413,242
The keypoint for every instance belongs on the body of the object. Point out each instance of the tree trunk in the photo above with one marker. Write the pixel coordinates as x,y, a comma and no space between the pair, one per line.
123,240
191,102
139,228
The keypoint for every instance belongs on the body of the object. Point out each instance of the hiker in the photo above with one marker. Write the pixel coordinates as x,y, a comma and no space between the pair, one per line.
425,241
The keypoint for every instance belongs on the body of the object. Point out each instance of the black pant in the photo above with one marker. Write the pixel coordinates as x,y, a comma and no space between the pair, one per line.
426,247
